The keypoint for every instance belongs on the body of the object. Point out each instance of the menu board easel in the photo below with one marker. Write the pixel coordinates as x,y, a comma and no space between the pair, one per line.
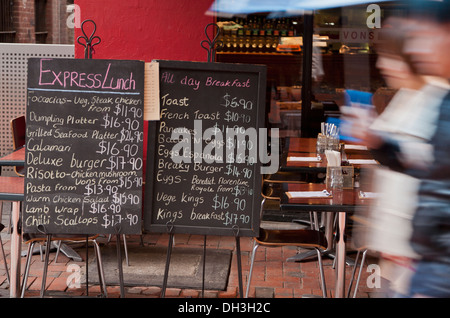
84,147
203,174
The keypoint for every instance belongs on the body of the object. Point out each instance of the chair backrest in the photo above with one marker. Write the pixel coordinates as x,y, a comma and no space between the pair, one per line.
18,129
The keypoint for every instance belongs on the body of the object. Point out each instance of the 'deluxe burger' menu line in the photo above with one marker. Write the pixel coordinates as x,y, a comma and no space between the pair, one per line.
84,146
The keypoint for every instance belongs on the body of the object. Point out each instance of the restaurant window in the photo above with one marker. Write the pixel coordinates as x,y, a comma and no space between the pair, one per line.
348,54
40,21
343,57
276,43
7,33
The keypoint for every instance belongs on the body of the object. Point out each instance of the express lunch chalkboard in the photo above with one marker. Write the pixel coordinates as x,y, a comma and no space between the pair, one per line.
84,146
203,173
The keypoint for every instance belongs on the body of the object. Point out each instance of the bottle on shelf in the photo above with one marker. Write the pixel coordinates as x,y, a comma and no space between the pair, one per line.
255,34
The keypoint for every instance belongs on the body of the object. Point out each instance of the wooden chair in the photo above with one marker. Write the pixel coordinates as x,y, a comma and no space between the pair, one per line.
32,239
18,131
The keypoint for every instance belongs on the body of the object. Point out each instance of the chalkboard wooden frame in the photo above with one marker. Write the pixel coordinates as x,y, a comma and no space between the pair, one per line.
260,73
89,92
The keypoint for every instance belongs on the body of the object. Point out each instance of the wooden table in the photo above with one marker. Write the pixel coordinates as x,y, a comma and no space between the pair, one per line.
12,189
341,202
15,158
306,147
299,144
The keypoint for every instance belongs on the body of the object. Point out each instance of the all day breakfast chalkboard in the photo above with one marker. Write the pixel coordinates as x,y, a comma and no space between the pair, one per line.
84,146
203,172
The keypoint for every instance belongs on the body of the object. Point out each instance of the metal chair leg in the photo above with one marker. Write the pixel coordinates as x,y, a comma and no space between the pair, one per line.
4,260
125,246
47,256
27,269
353,273
363,259
255,247
322,276
101,273
57,251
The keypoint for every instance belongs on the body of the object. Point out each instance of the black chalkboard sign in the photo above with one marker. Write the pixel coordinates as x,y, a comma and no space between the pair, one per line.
84,146
203,173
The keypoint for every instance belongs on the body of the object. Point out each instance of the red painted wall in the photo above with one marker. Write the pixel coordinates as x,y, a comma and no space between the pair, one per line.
146,29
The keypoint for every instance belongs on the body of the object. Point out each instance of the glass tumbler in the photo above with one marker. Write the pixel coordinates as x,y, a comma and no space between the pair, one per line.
334,178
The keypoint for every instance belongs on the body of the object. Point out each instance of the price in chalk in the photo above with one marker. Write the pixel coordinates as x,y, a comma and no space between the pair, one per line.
123,198
130,182
234,218
110,148
241,158
120,162
131,136
114,122
102,208
244,144
232,170
99,189
235,102
242,190
220,202
117,219
231,116
111,122
125,111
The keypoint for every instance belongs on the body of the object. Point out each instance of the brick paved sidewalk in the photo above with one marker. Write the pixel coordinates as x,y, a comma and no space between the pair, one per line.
273,276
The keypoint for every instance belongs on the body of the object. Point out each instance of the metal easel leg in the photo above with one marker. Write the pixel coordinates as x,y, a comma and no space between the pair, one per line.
87,265
119,264
166,270
204,266
238,256
27,269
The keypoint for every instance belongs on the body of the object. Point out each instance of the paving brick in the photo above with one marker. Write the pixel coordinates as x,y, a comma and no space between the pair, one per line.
230,292
264,292
172,292
284,292
272,275
189,293
152,291
58,284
